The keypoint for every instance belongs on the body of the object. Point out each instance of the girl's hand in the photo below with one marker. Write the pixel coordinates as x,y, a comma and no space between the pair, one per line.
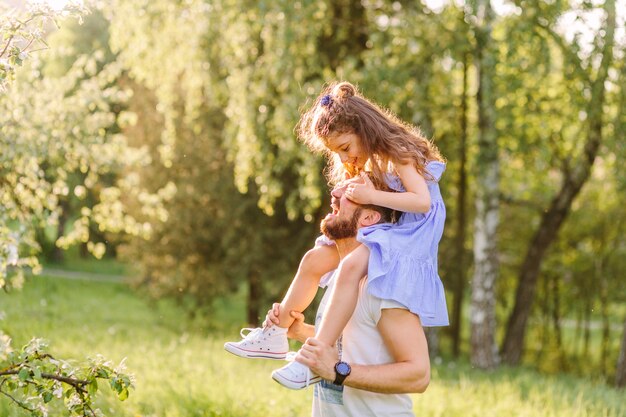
272,316
361,193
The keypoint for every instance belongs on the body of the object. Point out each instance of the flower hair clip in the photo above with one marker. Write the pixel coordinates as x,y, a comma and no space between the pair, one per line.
326,101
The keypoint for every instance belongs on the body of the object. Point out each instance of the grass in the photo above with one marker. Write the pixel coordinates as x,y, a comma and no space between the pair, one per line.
182,371
73,261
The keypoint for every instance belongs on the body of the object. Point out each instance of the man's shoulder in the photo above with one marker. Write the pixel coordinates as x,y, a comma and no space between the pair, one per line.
372,305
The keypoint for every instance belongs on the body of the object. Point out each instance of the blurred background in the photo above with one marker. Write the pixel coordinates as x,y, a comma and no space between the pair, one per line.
155,198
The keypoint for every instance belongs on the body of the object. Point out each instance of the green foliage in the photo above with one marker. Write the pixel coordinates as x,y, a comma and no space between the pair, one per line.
74,39
23,33
59,141
57,137
45,148
31,378
214,237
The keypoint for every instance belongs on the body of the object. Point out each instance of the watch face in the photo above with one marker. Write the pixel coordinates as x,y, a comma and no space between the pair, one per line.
343,368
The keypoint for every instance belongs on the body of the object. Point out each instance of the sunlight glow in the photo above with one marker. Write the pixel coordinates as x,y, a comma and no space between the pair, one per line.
56,4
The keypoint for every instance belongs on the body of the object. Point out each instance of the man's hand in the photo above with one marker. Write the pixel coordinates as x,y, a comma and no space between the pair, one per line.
361,192
320,357
298,330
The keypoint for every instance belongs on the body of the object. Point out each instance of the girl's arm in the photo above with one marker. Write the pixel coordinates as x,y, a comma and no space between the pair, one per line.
416,199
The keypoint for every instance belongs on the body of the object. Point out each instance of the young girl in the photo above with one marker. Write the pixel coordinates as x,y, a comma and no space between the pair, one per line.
400,260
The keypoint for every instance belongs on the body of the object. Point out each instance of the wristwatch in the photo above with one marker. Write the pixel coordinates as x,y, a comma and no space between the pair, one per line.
342,370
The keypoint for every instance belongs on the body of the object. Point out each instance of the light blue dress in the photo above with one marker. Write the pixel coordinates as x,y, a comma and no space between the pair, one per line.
403,255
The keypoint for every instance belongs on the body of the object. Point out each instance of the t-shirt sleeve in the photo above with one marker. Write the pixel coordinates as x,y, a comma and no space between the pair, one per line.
375,305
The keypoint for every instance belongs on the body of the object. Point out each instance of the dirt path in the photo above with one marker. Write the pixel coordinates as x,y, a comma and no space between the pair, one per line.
84,276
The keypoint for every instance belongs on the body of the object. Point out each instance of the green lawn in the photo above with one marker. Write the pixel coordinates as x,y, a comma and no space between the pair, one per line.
182,370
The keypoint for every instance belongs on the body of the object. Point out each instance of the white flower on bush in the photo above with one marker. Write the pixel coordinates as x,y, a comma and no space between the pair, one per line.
5,346
121,368
42,410
73,401
58,389
12,254
35,345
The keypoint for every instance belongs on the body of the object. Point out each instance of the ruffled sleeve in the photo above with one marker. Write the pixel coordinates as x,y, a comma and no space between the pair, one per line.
323,240
436,169
394,182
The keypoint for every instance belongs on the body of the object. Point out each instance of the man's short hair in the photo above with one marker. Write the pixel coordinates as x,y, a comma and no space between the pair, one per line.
387,215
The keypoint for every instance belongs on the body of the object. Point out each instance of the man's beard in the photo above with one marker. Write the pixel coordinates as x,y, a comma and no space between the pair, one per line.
341,229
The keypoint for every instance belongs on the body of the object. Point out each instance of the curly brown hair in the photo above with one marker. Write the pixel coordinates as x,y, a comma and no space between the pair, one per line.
386,139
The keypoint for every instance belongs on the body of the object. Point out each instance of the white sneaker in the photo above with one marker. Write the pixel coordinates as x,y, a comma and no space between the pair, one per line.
295,376
270,343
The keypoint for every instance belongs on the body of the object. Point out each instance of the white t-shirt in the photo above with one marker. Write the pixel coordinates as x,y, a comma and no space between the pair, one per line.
361,344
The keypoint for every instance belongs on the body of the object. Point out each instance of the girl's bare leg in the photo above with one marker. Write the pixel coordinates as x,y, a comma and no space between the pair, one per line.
314,264
344,296
271,342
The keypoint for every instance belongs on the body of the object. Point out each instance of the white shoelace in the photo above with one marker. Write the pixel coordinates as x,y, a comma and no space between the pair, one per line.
307,374
252,333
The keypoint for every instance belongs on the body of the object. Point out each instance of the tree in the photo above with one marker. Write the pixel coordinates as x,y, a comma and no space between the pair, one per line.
620,374
52,129
482,315
575,171
248,131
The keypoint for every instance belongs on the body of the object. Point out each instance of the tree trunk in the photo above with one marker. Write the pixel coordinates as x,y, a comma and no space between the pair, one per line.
460,264
604,313
578,333
432,338
552,219
254,298
556,321
544,307
58,254
348,35
483,315
587,332
620,372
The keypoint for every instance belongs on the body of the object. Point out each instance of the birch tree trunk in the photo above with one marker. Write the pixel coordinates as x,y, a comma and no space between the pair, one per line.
575,175
482,309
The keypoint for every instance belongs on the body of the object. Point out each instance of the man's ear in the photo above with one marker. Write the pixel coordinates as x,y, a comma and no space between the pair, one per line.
369,217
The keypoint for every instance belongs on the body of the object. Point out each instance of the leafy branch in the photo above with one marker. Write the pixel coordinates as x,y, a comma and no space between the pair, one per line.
41,379
23,33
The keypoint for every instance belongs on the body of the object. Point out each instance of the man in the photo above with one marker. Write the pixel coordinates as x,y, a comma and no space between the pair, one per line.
383,352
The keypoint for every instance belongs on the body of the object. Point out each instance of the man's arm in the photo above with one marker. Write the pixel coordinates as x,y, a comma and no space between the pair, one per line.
403,335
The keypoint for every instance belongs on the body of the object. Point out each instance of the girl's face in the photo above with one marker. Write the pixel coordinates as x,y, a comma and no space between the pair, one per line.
348,147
